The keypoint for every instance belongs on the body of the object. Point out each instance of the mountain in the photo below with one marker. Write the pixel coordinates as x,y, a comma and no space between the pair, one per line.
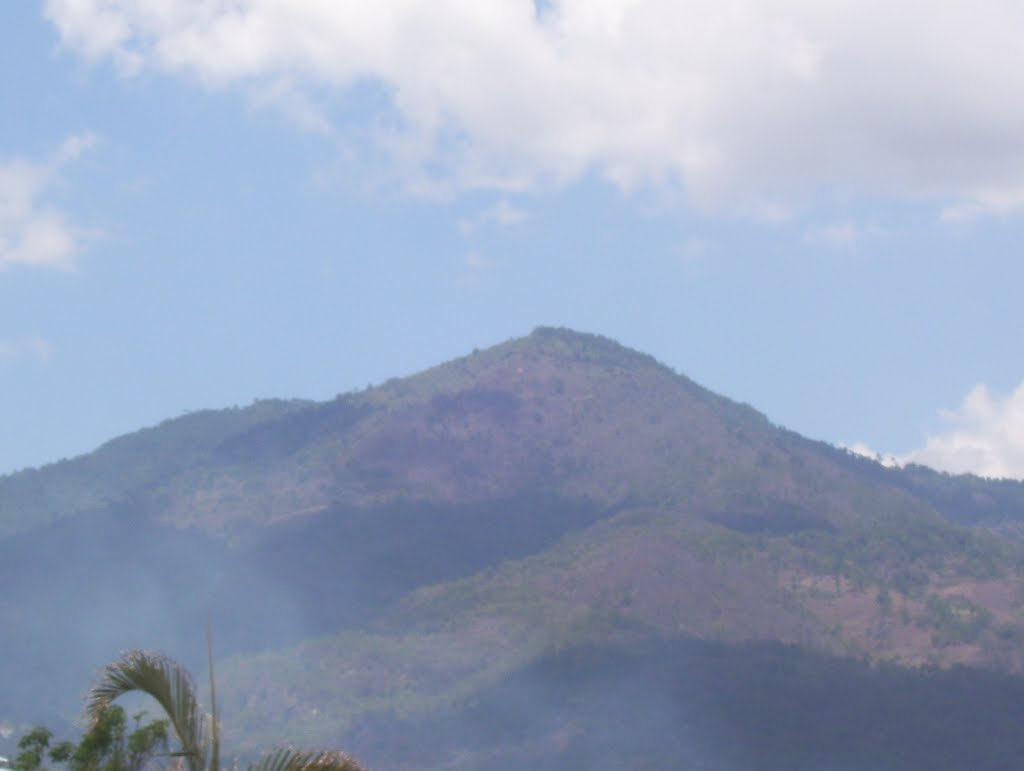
403,561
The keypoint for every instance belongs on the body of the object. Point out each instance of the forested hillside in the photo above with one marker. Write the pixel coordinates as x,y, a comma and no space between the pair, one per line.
402,560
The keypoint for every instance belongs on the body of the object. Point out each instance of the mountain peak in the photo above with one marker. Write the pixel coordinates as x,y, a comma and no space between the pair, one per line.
585,346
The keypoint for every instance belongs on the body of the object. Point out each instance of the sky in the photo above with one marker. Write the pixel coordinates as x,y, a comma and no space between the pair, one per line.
814,208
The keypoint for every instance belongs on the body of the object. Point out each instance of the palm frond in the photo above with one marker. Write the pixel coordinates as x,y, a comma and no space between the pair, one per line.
288,759
170,685
214,724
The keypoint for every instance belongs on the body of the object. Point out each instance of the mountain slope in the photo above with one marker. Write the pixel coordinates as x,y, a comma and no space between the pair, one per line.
126,466
395,551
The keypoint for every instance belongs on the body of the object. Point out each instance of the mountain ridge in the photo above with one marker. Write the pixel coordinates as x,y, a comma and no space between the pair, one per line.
395,550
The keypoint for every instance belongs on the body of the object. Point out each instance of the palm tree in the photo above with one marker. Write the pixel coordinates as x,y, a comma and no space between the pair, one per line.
198,732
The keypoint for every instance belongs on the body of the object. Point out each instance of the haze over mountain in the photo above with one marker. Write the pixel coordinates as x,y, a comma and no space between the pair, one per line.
491,557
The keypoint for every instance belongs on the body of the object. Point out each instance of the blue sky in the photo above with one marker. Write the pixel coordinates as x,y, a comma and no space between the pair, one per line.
812,208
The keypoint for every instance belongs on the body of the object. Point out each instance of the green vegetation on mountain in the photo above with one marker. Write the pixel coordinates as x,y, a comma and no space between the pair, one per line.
428,539
717,707
128,467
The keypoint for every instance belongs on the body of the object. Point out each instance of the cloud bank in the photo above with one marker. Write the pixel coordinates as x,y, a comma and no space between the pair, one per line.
740,104
33,232
985,437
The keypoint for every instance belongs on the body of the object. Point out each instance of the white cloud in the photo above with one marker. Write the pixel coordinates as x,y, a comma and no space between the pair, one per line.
859,448
300,110
842,235
34,347
474,267
985,436
694,248
32,231
41,350
980,203
745,105
502,215
837,234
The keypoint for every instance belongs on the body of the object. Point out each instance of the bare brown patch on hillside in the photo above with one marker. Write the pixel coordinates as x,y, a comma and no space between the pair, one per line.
889,625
